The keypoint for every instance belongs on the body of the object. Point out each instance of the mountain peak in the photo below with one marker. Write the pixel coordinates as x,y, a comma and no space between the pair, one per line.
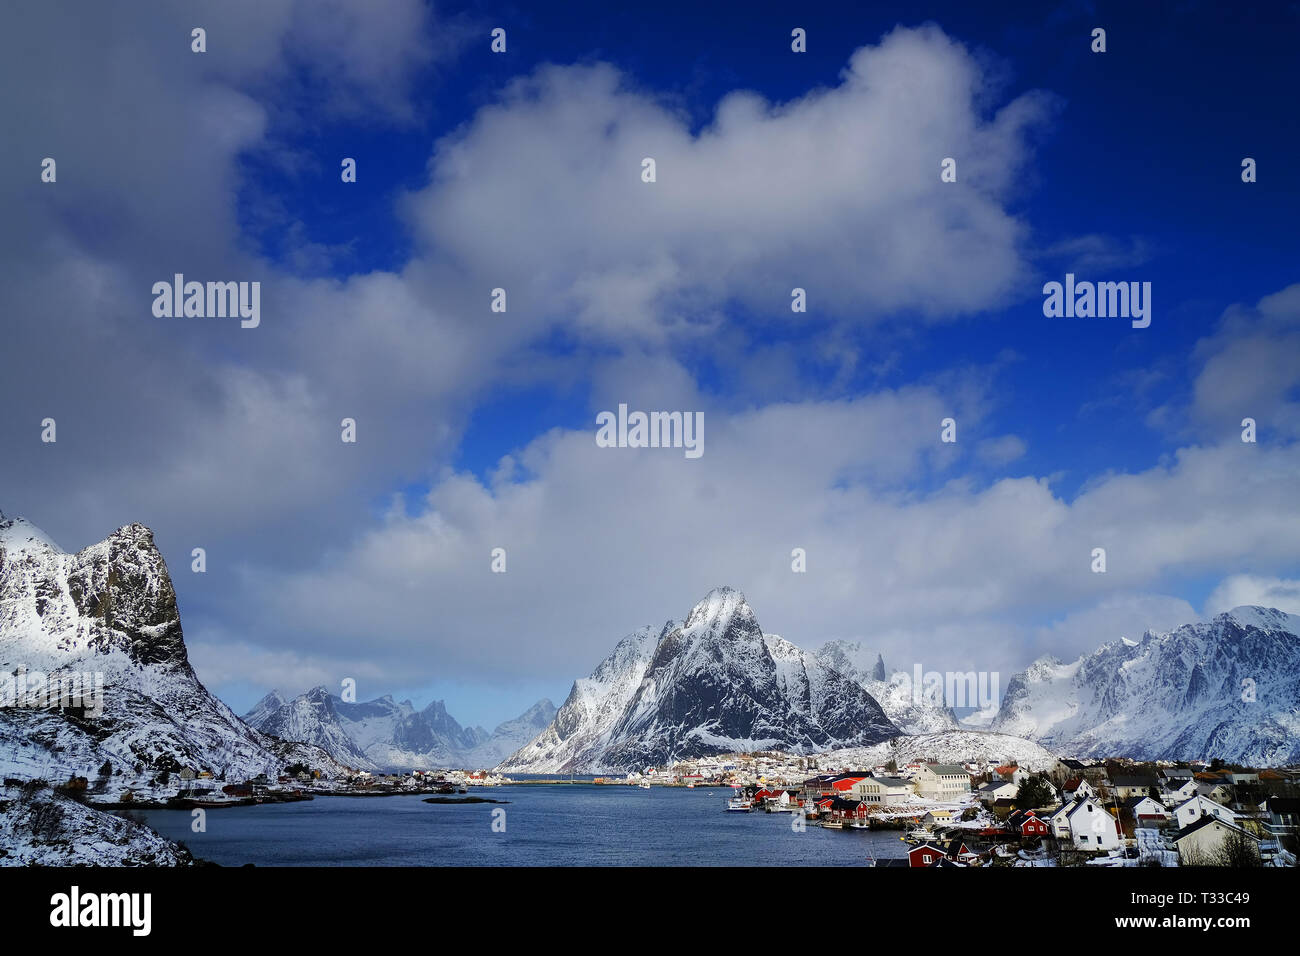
715,685
719,605
1265,618
19,534
1175,695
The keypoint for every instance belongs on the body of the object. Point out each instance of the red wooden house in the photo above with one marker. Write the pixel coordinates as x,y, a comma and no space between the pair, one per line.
1031,826
927,854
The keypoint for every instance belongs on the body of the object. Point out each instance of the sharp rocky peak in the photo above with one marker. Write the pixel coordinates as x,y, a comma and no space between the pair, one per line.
719,610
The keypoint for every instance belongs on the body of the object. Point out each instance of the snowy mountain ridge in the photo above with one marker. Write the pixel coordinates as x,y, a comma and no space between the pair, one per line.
715,684
110,610
384,734
894,690
1228,688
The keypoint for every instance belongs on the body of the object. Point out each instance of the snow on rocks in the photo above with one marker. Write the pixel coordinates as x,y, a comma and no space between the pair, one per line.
39,827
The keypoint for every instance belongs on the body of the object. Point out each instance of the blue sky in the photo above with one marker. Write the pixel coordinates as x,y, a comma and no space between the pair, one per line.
1116,166
1182,93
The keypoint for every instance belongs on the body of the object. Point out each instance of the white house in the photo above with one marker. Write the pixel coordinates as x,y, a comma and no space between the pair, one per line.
1076,788
1147,811
996,790
942,781
1189,811
1201,842
1219,791
882,790
1125,788
1092,827
1059,821
1176,791
1015,774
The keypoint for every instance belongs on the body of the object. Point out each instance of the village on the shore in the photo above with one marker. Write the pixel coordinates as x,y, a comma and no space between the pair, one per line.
979,813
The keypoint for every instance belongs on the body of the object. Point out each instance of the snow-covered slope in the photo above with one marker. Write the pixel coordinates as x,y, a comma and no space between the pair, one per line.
510,735
583,727
715,684
949,746
110,610
384,734
310,719
1228,688
39,827
893,690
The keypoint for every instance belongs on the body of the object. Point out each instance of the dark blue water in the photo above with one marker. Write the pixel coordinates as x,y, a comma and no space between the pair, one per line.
545,825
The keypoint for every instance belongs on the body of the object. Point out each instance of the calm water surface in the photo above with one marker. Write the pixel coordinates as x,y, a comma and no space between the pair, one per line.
559,824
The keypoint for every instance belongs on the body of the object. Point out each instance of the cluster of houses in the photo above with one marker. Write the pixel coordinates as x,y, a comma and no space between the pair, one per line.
1118,812
1202,815
204,788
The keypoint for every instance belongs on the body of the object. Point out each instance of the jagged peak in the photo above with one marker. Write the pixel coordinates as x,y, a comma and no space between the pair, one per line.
720,604
1266,618
19,534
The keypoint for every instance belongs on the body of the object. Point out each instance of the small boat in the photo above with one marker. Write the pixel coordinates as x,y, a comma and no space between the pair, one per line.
740,805
213,802
860,825
644,785
833,824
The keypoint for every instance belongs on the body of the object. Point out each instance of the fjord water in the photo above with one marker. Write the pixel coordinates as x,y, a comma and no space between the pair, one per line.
546,825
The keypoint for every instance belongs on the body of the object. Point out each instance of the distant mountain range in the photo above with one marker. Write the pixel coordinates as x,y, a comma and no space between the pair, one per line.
382,734
893,690
110,610
1227,688
714,684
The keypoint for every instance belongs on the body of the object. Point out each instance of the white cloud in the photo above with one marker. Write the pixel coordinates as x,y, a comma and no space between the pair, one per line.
600,541
1250,369
837,192
1239,589
1113,617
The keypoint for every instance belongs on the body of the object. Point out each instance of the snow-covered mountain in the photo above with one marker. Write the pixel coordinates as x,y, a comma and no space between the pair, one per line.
384,734
110,610
911,712
312,718
40,827
511,735
715,684
583,728
1228,688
